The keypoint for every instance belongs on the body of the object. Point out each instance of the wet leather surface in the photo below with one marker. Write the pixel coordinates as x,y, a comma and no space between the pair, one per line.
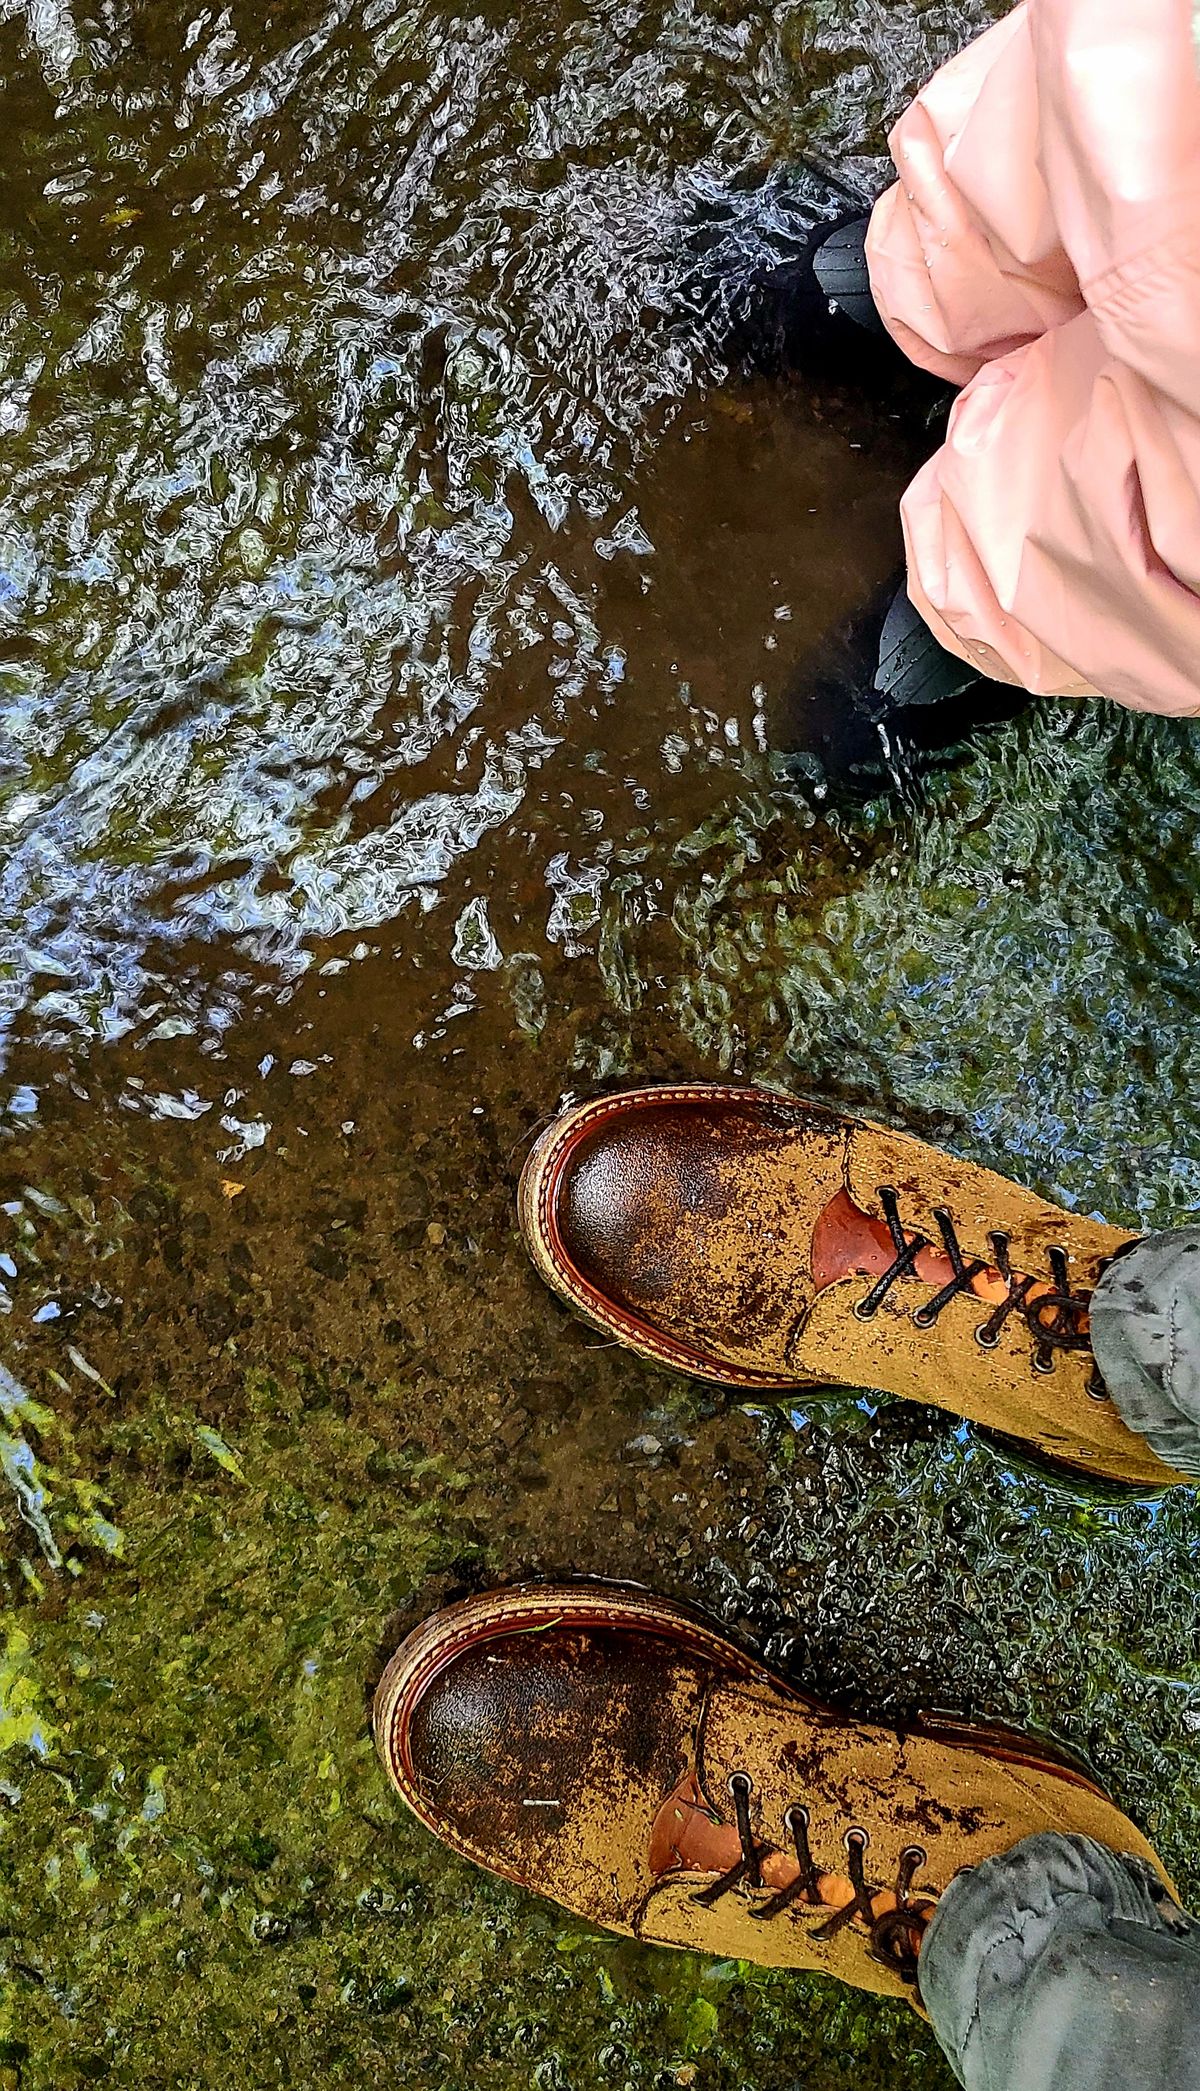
549,1752
698,1217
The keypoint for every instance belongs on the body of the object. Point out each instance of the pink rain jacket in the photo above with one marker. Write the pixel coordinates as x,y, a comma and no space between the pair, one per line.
1042,249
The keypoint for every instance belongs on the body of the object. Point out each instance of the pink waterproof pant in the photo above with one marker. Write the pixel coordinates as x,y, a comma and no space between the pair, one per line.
1042,248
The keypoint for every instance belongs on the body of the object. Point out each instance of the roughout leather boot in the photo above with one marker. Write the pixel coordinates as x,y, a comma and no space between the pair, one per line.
770,1244
616,1753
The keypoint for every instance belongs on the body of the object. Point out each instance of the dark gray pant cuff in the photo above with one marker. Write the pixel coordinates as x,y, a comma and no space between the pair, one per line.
1145,1327
1062,1966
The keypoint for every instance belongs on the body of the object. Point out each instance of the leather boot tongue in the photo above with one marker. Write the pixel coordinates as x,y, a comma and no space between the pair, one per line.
685,1837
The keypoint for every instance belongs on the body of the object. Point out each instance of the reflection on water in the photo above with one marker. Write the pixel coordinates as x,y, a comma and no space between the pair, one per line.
397,574
335,351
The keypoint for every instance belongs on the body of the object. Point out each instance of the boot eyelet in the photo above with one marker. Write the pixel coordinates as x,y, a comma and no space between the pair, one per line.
793,1815
856,1836
739,1783
1063,1331
917,1854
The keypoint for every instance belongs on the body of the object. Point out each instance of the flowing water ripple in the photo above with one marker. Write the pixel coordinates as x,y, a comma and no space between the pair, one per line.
399,570
331,344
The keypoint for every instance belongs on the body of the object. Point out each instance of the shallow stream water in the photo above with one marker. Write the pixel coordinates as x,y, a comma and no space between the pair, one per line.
399,571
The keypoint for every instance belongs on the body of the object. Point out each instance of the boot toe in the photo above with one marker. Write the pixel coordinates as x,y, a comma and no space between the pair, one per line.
680,1220
630,1200
537,1743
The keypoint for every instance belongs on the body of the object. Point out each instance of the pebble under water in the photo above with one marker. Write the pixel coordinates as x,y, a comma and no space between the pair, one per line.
400,566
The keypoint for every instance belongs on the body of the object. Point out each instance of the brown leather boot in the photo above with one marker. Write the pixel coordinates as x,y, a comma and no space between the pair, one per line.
770,1244
616,1753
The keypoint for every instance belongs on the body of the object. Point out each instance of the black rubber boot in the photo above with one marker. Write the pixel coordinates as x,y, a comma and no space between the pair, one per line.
879,699
840,267
814,317
780,289
914,672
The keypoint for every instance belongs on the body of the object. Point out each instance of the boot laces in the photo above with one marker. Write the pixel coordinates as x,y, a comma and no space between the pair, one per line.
1057,1319
894,1935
